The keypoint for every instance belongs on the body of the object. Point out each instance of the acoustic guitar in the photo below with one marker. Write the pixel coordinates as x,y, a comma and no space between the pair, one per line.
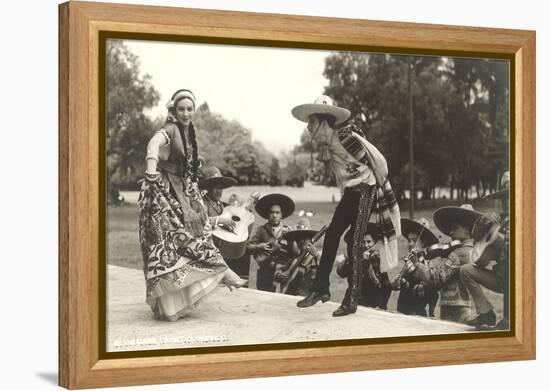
232,244
282,287
488,247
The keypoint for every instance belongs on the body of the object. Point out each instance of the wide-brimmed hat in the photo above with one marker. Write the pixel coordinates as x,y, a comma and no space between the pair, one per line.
212,177
265,203
374,230
463,214
322,105
420,227
302,231
504,187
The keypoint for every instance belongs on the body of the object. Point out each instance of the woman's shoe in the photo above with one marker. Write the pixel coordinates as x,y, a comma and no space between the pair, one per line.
232,281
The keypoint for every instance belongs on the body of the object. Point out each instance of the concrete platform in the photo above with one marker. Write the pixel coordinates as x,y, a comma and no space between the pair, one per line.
245,316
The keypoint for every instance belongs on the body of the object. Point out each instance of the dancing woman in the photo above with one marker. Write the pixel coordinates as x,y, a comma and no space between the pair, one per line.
180,262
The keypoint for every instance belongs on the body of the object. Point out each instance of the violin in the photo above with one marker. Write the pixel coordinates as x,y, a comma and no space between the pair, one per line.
369,251
424,256
440,249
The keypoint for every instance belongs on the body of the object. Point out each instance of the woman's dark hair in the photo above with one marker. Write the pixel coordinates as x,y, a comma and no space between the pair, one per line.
195,163
326,117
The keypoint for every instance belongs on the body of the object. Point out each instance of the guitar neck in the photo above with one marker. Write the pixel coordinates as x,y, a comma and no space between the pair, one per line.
303,254
251,201
319,234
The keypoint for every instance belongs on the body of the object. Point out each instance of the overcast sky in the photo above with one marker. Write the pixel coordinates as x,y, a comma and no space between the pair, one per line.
256,86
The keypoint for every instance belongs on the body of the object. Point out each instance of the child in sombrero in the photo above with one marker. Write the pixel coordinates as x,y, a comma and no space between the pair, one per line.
375,288
213,183
495,278
267,244
457,223
418,235
299,240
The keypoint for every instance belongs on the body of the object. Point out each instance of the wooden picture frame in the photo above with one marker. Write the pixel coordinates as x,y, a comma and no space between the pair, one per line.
82,364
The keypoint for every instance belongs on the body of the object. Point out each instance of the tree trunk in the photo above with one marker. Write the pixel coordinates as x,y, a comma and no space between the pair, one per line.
451,195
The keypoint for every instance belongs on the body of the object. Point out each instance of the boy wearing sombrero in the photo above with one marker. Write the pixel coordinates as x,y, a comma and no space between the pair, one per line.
496,279
456,222
375,288
361,173
213,182
409,302
299,239
267,244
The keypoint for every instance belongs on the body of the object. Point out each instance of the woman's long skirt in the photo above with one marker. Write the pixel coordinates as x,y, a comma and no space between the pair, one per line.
181,265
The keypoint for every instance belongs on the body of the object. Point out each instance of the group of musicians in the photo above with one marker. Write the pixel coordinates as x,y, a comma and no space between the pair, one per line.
452,273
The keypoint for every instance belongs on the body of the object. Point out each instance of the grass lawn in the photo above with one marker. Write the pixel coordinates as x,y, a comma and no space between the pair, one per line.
123,243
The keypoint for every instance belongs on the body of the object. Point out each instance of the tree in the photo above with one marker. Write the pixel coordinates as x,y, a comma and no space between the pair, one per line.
460,116
228,145
274,172
129,93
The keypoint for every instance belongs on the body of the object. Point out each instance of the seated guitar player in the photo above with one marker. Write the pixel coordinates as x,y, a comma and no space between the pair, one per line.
375,287
213,183
495,278
267,244
296,275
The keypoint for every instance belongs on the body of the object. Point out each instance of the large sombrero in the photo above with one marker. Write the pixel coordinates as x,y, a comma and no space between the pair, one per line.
464,214
420,227
302,231
266,202
504,187
212,177
374,230
322,105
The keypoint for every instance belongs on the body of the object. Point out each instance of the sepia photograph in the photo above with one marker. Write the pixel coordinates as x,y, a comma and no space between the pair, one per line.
267,195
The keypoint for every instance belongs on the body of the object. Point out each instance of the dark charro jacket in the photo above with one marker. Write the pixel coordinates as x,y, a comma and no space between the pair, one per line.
265,234
213,208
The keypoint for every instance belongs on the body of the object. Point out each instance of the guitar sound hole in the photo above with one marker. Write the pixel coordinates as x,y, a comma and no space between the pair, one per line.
235,218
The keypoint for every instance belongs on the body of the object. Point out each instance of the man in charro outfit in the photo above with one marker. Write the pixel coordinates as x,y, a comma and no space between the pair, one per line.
267,244
361,173
214,183
496,279
375,284
299,240
456,222
418,236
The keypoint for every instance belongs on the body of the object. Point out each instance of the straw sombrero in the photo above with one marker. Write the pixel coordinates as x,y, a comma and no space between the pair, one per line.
212,177
302,231
504,187
322,105
422,225
464,214
266,202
